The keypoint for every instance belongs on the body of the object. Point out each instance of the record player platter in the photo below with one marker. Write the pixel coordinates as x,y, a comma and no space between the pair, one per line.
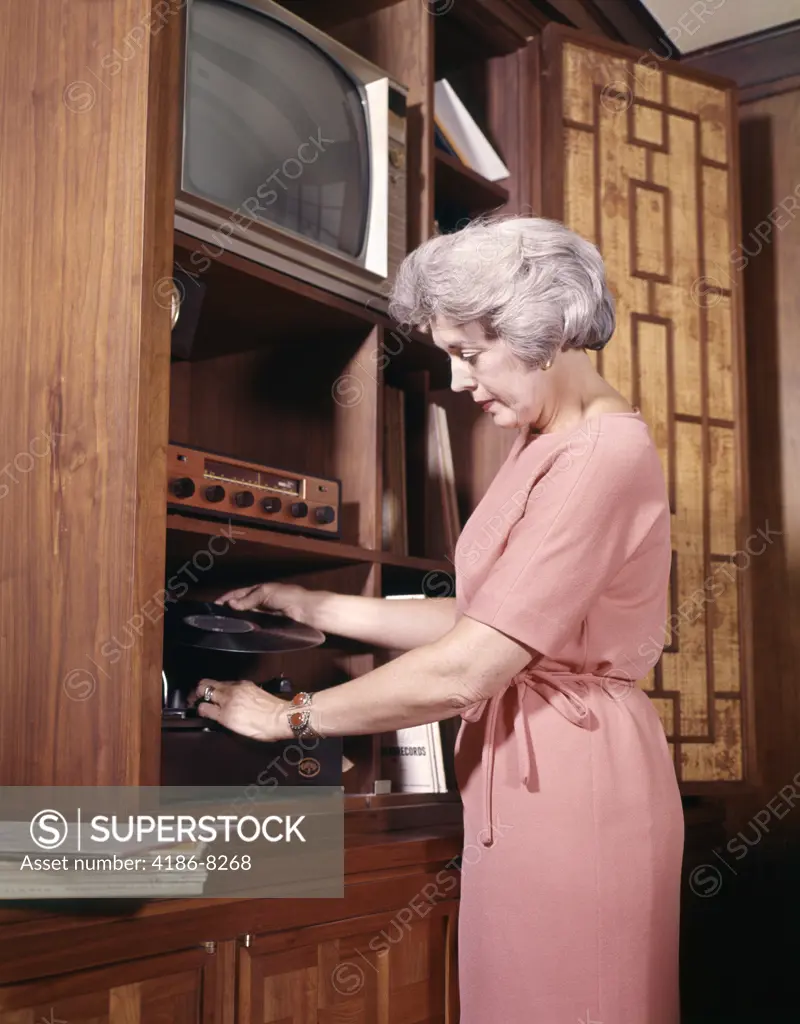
217,627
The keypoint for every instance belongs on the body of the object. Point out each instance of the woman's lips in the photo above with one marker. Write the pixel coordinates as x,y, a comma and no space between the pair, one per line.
486,405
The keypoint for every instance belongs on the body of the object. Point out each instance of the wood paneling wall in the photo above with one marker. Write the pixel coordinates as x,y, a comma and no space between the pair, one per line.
768,264
83,416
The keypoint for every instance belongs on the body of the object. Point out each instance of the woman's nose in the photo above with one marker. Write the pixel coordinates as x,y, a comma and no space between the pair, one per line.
460,379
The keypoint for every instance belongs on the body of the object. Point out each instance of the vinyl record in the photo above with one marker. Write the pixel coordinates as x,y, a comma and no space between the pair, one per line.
217,627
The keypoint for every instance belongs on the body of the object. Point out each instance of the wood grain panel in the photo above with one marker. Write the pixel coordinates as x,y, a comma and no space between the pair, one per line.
648,83
716,225
651,233
585,68
660,196
722,483
675,301
653,394
88,370
516,127
721,760
357,428
648,125
649,681
724,612
580,189
288,993
618,164
684,668
710,105
665,707
384,970
145,991
720,354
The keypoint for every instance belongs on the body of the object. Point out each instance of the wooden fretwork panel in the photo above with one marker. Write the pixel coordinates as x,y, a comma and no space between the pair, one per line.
385,969
638,159
170,989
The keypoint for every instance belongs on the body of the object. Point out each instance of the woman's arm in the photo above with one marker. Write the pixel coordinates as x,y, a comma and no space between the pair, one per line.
437,681
401,625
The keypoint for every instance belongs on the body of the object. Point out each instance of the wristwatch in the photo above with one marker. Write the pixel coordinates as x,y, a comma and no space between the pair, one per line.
300,716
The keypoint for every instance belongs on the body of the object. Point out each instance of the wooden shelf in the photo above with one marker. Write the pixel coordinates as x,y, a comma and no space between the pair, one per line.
474,31
366,814
327,15
461,186
251,546
247,306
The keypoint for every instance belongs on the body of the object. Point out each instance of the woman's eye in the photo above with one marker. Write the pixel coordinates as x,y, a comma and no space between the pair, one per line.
469,357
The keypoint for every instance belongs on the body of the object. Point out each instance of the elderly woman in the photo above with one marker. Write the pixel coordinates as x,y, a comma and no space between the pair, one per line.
570,913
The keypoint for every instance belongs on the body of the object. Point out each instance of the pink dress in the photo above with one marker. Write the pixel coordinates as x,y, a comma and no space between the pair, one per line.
572,815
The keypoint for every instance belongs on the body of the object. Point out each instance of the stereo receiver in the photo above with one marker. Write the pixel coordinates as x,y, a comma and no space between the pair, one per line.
204,483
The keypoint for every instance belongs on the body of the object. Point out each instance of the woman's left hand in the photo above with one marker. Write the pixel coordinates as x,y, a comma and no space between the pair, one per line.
244,708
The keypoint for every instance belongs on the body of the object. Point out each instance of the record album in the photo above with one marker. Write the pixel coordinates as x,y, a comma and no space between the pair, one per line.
217,627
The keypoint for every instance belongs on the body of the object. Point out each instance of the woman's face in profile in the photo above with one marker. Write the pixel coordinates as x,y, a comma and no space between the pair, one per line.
507,389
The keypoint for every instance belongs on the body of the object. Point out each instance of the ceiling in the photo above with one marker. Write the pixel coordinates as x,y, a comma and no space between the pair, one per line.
693,26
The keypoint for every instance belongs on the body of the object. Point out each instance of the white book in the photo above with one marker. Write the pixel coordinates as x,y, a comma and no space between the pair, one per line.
407,759
466,137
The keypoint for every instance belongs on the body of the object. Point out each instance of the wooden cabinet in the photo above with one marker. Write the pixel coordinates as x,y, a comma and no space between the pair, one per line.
385,968
173,989
377,969
386,952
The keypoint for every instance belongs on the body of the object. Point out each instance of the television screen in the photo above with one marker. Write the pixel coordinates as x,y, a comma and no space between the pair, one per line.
274,128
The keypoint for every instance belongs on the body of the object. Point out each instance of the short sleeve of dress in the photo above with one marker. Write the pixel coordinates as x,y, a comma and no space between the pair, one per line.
582,521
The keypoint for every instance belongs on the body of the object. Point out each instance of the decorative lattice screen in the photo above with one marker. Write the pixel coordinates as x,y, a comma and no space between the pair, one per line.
639,159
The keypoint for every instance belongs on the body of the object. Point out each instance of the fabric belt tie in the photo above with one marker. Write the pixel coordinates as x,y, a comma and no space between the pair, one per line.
563,691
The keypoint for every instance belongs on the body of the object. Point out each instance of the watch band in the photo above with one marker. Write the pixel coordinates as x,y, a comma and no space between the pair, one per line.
299,716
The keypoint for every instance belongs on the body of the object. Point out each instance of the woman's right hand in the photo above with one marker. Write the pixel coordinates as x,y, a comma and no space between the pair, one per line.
287,598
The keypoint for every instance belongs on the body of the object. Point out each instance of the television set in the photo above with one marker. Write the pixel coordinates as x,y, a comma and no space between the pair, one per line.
293,150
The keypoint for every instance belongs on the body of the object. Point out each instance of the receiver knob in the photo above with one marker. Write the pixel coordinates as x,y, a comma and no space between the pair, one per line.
183,487
244,499
215,493
271,504
299,509
324,514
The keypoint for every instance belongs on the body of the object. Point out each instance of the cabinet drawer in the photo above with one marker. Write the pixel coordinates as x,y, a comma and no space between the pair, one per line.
171,989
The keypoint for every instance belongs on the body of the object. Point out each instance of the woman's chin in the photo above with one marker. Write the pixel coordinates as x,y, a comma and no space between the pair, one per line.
502,416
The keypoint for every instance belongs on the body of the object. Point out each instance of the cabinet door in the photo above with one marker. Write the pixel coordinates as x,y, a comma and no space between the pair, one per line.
159,990
640,157
382,969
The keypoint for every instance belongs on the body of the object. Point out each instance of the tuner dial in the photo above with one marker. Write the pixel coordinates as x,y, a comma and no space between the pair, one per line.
324,514
183,487
271,504
244,499
215,493
299,509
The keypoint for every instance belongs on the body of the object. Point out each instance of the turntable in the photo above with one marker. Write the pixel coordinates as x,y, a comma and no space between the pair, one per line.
217,627
209,640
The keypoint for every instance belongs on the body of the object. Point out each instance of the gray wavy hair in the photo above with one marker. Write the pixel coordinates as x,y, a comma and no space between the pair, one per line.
528,281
